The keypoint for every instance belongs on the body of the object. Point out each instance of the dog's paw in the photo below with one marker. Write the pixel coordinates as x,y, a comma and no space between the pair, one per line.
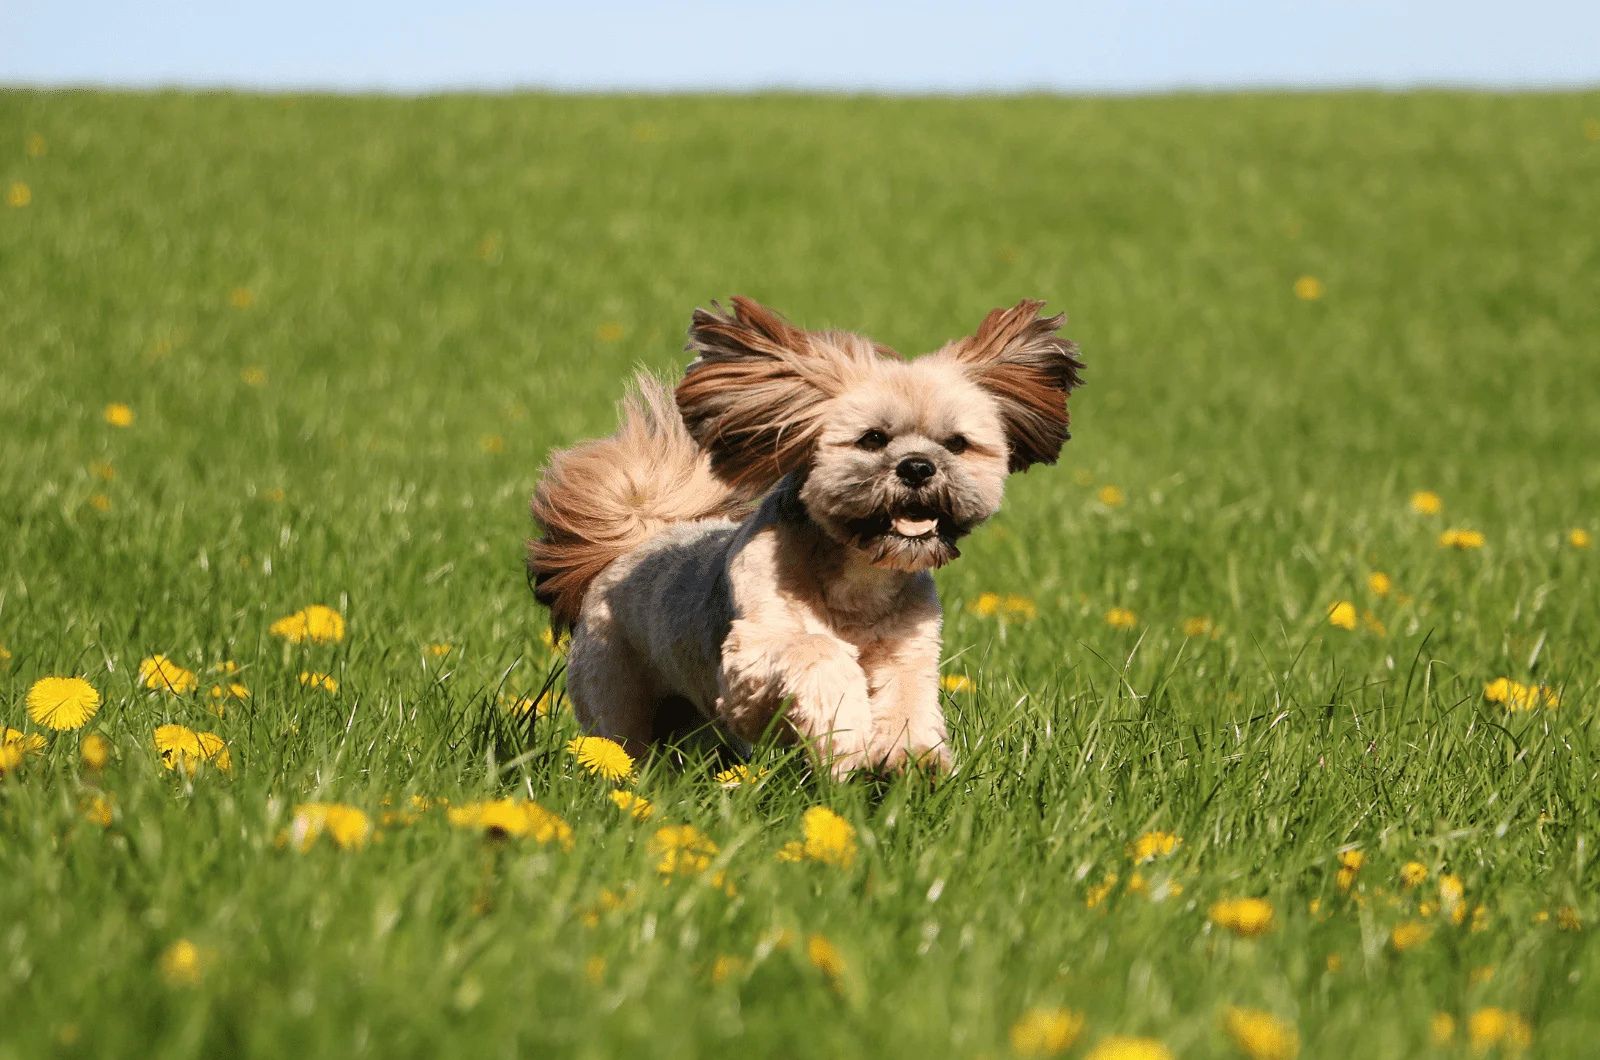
901,756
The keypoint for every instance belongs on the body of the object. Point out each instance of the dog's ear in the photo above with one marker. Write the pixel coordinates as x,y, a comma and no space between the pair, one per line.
753,397
1018,358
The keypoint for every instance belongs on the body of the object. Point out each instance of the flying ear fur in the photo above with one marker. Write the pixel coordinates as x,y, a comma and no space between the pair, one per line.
1018,358
753,397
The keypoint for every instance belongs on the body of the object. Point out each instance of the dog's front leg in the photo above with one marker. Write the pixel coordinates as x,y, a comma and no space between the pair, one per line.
907,722
812,679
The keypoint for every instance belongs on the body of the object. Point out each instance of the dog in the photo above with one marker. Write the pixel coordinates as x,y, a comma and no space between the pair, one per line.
754,549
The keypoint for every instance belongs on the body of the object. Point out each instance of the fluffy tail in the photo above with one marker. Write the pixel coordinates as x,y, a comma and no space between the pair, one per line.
602,499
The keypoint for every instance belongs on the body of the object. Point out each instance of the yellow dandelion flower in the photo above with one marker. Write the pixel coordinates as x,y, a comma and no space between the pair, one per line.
62,703
214,751
11,758
503,818
1451,890
825,957
100,502
276,495
1261,1035
97,809
181,748
1517,696
609,901
1490,1028
1483,973
118,415
232,690
829,838
439,651
601,757
955,683
103,471
1199,626
610,331
18,195
241,298
1020,607
725,967
741,776
1461,540
1374,624
1334,964
29,743
1350,862
1579,538
521,707
1045,1031
36,146
1342,615
1121,618
1441,1028
1308,289
1111,496
182,963
254,376
1412,873
95,751
346,827
5,655
987,605
317,623
1122,1047
1152,845
492,444
161,674
1247,917
1379,583
1568,919
636,806
682,850
313,679
1409,935
594,970
1101,891
1426,502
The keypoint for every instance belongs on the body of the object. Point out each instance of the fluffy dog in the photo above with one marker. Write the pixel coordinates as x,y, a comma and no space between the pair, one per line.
760,553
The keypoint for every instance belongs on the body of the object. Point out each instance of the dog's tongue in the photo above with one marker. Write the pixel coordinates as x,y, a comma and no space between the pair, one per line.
906,526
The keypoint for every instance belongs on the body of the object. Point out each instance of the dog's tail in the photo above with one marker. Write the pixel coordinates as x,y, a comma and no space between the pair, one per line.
600,500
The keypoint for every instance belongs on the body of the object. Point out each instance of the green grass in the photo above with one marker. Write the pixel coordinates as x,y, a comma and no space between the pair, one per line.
444,289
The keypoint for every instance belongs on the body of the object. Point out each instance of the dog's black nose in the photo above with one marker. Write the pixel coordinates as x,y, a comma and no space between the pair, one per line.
915,470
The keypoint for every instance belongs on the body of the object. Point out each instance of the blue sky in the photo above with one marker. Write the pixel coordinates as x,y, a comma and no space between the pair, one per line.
1009,45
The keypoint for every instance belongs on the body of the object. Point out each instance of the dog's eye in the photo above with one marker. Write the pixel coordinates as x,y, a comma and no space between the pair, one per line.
956,443
873,439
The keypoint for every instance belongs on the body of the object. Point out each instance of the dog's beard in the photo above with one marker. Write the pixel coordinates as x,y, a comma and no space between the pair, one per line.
895,528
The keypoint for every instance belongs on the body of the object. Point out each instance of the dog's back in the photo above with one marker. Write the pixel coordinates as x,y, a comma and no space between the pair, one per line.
604,499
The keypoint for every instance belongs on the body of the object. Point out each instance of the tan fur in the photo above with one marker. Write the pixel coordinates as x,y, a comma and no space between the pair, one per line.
813,616
602,500
754,394
1016,355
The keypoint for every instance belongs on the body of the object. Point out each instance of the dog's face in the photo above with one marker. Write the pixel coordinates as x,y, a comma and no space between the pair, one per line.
900,458
907,461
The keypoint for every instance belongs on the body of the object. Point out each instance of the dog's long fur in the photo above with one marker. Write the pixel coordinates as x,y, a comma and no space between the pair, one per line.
762,552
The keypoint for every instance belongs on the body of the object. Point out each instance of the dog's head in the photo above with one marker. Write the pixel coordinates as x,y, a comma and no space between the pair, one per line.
899,458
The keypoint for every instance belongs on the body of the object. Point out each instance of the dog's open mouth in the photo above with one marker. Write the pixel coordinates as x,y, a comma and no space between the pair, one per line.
909,537
913,523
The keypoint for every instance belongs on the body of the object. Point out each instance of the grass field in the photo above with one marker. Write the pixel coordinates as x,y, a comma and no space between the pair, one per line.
347,331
